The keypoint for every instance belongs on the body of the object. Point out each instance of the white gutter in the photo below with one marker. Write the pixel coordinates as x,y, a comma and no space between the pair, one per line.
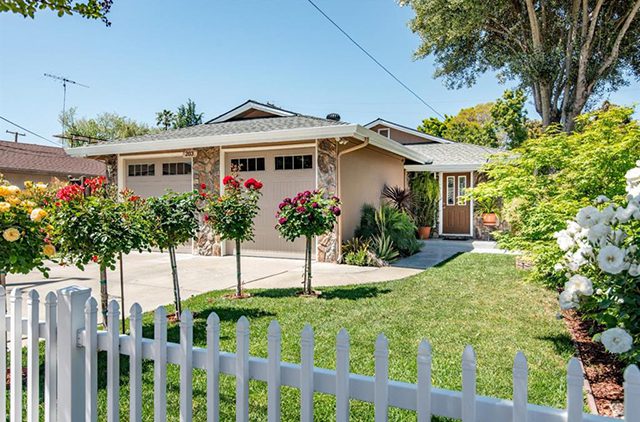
285,135
443,167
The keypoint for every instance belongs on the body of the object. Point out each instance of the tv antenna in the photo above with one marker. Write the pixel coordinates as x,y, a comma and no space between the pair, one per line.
64,81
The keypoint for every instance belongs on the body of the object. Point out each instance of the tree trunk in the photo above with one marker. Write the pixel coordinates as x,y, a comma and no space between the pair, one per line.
238,270
176,284
307,268
104,294
3,279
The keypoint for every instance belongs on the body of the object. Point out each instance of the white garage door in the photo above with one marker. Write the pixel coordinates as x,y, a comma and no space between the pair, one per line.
284,173
154,176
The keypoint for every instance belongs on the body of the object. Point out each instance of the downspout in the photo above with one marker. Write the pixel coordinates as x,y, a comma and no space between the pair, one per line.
364,144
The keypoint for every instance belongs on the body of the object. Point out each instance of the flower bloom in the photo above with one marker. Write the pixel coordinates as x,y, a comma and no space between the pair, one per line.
564,239
49,250
94,258
616,340
300,209
588,216
611,259
580,284
11,234
13,190
253,184
336,211
203,186
230,181
5,206
38,214
568,300
282,220
69,192
41,186
95,183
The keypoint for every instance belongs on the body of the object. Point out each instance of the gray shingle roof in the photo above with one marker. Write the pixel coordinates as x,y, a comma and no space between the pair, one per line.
265,124
455,153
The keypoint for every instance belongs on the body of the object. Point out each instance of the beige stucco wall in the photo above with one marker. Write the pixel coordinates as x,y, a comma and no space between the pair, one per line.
363,174
18,179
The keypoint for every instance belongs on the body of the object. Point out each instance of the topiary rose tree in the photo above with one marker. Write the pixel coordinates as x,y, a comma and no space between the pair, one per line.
175,223
308,214
92,222
26,237
231,215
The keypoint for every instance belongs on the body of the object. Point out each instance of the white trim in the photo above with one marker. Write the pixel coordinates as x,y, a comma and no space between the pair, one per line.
249,105
268,147
440,211
449,168
240,139
441,206
154,155
388,135
408,130
471,226
453,198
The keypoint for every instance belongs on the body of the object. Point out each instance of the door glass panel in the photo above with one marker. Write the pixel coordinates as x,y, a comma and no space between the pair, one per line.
462,190
451,190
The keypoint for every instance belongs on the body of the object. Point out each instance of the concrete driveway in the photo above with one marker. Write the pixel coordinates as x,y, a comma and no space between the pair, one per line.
148,276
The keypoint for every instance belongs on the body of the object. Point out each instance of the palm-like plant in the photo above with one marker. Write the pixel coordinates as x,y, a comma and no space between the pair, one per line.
398,197
165,118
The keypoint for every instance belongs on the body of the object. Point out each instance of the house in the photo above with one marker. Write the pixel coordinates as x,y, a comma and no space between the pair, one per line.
20,162
456,165
288,151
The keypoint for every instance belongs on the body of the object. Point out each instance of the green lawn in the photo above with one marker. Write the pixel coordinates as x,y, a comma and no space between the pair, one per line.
473,299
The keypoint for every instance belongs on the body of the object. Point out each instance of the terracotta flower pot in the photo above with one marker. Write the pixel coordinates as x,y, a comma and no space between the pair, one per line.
424,232
490,219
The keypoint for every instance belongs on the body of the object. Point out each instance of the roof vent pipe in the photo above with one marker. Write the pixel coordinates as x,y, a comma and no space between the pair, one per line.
333,116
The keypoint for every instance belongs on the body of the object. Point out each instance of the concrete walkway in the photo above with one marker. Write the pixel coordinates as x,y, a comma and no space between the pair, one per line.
148,276
436,251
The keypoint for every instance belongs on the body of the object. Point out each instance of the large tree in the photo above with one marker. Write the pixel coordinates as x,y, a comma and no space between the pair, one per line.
105,126
90,9
187,115
563,51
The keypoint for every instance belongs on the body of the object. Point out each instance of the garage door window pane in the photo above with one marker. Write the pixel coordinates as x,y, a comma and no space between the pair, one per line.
279,163
135,170
307,162
294,162
288,163
248,164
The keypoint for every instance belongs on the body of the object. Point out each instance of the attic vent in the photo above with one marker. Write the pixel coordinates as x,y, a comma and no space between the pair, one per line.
333,116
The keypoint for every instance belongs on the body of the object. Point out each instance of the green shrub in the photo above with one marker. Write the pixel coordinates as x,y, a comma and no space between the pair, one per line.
426,194
384,249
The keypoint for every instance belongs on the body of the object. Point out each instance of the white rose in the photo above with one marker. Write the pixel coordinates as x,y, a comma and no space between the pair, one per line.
616,340
633,181
598,233
577,260
568,300
634,270
618,237
573,228
580,284
611,259
588,216
564,239
607,214
623,214
558,267
601,199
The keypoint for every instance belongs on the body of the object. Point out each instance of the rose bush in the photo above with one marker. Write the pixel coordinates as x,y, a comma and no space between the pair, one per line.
601,263
308,214
26,236
96,223
231,214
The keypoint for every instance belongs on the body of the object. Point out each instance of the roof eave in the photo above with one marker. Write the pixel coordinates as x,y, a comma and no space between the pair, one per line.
408,130
444,167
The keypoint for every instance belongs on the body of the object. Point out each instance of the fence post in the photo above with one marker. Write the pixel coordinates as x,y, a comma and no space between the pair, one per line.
71,377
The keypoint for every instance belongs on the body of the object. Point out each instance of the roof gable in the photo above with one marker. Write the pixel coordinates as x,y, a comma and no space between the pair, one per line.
408,130
251,109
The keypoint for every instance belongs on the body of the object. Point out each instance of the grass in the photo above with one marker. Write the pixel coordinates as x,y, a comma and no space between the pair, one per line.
474,299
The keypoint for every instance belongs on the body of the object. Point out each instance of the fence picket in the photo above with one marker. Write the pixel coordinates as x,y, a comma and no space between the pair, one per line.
381,354
242,370
468,385
342,376
3,353
520,388
186,366
273,372
15,402
160,364
306,374
575,381
33,356
50,357
423,401
135,364
213,368
91,359
632,394
113,362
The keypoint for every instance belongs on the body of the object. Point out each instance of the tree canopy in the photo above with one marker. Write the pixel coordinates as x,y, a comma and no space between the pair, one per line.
563,51
105,126
90,9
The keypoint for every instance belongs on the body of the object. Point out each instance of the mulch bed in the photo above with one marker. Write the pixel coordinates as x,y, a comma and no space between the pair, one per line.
602,370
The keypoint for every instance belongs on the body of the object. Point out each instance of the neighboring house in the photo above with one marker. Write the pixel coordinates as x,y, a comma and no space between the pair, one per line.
455,165
20,162
288,151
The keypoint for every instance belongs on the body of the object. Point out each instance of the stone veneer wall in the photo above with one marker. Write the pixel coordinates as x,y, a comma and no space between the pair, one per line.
111,161
327,168
206,169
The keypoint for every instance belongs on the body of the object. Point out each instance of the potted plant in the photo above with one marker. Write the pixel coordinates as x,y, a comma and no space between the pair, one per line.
307,214
425,194
487,207
231,215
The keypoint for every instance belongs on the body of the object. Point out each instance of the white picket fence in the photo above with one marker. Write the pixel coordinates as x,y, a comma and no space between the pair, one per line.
72,341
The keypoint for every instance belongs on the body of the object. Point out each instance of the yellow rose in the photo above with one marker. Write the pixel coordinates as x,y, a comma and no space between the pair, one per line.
28,204
49,250
5,206
38,214
4,192
41,186
28,184
11,234
13,190
13,200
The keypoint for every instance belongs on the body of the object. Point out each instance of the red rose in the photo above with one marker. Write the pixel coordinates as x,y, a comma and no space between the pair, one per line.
203,186
253,184
134,198
94,258
227,180
206,217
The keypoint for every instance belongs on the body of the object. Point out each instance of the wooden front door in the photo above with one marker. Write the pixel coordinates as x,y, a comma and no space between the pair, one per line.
456,218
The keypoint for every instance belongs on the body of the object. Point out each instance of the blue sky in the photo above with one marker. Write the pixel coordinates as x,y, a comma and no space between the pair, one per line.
157,54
